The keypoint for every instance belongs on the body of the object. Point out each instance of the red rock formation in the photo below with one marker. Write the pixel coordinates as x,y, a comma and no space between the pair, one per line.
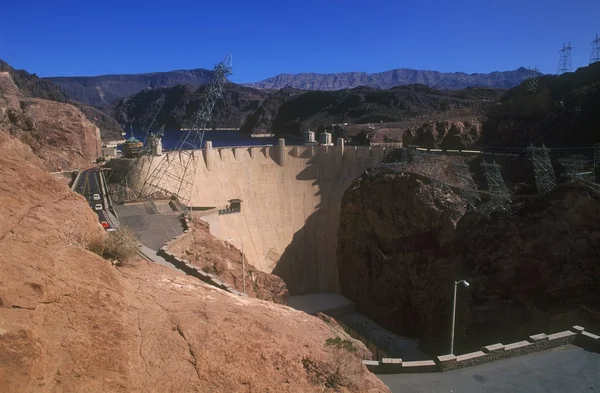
72,322
453,134
57,132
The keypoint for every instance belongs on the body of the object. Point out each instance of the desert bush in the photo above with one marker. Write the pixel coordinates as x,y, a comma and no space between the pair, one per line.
338,343
119,246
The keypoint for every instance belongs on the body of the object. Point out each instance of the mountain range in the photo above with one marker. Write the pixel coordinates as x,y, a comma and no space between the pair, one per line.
397,77
106,89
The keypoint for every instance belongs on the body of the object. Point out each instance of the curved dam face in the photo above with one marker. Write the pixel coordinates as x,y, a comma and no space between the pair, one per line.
290,205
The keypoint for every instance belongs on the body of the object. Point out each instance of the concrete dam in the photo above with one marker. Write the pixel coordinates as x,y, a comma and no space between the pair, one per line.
290,204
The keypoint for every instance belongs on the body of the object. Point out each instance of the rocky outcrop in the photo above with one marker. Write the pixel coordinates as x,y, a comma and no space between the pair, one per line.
25,85
392,233
223,260
402,242
57,132
71,321
397,77
444,134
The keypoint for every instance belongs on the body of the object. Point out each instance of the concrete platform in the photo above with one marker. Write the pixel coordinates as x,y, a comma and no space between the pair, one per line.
155,223
328,303
564,369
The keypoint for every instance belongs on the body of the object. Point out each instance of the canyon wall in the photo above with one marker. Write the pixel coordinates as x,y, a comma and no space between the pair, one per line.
403,240
290,205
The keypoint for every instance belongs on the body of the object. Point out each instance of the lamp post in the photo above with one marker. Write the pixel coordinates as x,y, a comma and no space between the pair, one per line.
243,266
466,285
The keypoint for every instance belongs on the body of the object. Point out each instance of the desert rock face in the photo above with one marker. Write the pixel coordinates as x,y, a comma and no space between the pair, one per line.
72,322
402,242
57,132
392,232
444,134
225,261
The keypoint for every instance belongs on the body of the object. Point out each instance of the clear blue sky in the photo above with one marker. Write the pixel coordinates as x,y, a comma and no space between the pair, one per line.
266,38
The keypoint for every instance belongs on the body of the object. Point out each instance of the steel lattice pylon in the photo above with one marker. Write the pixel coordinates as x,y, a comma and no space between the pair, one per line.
564,64
595,56
545,179
576,168
499,194
468,187
175,172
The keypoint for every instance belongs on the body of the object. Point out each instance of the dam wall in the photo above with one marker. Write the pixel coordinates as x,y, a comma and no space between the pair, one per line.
290,204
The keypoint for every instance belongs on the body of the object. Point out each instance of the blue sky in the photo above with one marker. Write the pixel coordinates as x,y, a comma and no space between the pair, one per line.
266,38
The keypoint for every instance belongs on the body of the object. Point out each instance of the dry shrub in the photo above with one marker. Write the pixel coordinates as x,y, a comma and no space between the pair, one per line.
119,246
341,369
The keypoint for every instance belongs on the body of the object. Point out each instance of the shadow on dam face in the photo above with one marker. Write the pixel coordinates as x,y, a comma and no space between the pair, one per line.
291,200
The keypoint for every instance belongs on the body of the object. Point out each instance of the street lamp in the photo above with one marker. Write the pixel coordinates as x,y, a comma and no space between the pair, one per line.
243,266
466,285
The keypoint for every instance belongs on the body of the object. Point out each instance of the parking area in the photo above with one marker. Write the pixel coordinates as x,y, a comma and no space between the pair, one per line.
565,369
155,223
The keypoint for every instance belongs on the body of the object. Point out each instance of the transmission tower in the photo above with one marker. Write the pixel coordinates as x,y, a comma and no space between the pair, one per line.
564,64
468,187
595,56
154,110
499,194
175,172
545,179
576,168
531,83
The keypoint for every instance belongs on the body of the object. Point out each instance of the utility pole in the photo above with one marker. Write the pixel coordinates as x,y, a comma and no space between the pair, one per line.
595,56
466,285
564,64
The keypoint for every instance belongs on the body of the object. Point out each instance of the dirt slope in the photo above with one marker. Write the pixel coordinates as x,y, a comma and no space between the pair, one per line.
72,322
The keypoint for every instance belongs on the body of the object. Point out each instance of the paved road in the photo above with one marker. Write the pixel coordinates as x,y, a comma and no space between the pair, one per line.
88,185
568,369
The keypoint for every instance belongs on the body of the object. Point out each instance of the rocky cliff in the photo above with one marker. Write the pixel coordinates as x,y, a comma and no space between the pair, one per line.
57,132
30,86
397,77
453,134
70,321
403,240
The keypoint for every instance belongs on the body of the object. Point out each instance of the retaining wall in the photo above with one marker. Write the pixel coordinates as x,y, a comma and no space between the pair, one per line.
539,342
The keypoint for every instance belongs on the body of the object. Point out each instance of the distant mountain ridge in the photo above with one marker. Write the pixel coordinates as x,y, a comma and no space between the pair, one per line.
396,77
103,90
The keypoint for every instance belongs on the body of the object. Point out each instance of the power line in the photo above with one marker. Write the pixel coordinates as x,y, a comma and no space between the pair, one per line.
499,194
564,64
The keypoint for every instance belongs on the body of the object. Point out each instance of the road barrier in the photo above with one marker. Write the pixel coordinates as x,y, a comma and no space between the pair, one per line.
538,342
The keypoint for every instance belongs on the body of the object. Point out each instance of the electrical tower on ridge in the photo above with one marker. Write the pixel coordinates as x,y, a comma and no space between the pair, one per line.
564,64
595,56
175,172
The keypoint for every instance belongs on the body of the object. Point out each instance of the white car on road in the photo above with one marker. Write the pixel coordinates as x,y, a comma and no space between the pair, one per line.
98,206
